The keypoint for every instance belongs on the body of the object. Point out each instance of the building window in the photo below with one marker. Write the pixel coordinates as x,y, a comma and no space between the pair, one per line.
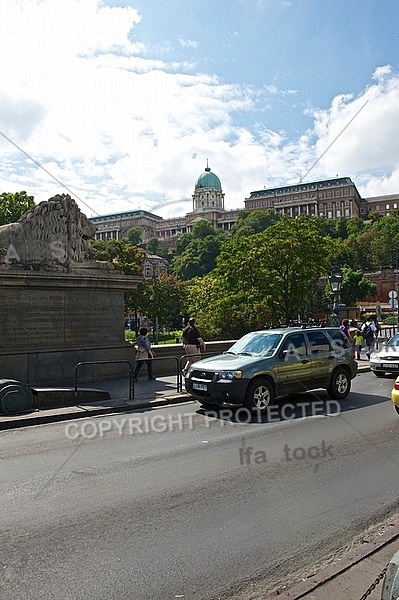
395,205
346,202
337,192
329,215
387,207
347,212
346,192
329,194
329,205
338,213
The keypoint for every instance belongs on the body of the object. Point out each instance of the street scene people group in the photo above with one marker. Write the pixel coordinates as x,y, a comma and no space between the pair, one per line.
192,344
361,336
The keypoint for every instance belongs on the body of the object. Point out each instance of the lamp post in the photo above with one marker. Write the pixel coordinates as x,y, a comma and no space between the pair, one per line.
335,279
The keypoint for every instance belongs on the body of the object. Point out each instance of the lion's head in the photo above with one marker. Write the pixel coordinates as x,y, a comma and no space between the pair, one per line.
53,233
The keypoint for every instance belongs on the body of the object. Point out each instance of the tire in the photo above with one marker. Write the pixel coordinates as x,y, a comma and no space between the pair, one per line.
379,373
396,408
340,384
260,394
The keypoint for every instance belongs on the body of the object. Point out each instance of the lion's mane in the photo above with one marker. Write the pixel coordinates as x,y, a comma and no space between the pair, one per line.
53,233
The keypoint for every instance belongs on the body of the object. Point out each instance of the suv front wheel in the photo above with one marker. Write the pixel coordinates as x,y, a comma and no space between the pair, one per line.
259,395
340,384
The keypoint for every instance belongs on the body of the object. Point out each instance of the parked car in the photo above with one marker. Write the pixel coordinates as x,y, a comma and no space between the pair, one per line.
265,364
395,395
386,359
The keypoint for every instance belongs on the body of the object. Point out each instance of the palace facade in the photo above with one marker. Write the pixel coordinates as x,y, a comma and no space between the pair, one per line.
331,198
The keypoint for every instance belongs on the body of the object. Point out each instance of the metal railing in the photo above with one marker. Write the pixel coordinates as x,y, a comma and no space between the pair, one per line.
107,362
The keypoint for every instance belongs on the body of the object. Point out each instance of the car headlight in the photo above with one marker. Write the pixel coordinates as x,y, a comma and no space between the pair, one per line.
230,375
373,356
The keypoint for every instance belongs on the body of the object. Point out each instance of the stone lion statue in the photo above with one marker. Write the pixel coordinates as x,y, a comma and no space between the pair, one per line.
53,234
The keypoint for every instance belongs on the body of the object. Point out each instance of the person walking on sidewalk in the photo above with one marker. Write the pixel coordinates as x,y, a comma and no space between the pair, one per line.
144,353
192,343
368,331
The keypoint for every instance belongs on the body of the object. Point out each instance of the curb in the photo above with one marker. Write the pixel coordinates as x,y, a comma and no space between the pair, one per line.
84,413
325,575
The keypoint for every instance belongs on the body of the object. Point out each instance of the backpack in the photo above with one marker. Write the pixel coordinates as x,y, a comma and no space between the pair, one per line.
368,333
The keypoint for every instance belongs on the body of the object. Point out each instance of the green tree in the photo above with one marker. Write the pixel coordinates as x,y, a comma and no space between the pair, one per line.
355,286
125,257
203,229
13,206
161,299
385,243
196,252
134,236
249,222
270,275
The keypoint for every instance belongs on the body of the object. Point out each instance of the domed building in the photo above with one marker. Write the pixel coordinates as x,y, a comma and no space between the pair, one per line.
208,204
208,195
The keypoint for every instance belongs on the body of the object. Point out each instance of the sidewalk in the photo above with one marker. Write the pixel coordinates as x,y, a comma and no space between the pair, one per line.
147,394
352,576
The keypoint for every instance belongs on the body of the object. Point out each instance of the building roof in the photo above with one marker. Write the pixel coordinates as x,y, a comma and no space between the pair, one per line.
207,179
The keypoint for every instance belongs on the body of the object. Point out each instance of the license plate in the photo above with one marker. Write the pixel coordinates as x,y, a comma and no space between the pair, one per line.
390,365
202,387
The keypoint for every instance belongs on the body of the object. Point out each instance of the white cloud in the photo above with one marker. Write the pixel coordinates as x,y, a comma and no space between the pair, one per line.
124,129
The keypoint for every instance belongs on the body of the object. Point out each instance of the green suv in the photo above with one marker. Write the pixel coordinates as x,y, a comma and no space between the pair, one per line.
265,364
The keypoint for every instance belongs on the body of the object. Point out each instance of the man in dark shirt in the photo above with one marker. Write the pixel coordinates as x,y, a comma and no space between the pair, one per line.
192,342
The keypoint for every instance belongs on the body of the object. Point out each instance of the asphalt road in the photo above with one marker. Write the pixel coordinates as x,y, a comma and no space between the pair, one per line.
183,503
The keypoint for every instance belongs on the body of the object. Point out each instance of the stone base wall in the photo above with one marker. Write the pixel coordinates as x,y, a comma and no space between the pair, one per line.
49,322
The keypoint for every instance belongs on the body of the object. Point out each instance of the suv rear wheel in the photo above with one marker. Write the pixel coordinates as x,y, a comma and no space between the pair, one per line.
260,394
340,384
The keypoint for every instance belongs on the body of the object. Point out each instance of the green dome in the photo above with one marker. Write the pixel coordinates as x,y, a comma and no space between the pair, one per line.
208,180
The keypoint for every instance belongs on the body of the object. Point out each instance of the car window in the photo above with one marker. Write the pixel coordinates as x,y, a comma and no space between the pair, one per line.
318,342
394,341
294,345
257,343
340,339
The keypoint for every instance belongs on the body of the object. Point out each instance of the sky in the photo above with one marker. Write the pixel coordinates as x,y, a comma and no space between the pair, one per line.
121,103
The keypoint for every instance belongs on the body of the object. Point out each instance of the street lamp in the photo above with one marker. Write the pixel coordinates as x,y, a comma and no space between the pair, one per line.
335,279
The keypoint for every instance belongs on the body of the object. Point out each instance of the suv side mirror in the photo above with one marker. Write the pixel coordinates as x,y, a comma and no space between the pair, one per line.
390,588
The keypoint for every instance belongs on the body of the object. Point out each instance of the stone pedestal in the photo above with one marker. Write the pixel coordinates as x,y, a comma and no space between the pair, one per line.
50,321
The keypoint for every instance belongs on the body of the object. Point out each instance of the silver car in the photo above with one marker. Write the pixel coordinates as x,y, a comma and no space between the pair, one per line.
386,359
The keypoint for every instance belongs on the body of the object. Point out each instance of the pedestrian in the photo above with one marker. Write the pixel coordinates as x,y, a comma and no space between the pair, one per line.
192,343
358,339
144,353
368,332
346,329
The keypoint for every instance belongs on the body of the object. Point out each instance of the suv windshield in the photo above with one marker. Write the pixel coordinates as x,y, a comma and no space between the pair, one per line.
258,343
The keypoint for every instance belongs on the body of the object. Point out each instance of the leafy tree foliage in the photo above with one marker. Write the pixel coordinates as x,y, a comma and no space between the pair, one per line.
134,236
385,243
262,279
154,246
249,222
162,298
355,286
124,256
196,252
13,206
